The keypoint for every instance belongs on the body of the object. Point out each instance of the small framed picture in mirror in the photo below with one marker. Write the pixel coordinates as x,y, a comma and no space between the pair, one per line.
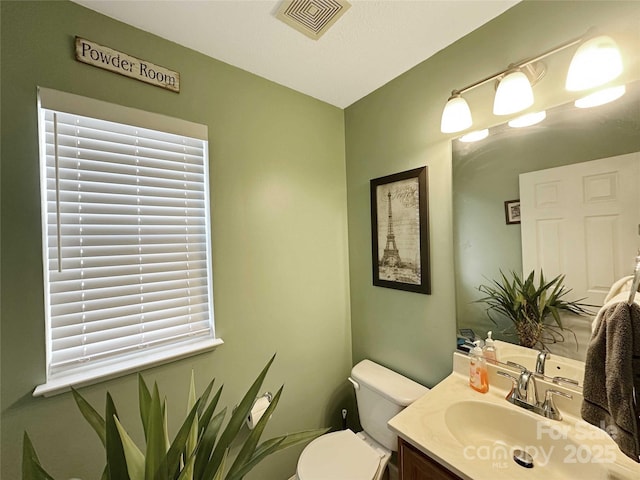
512,211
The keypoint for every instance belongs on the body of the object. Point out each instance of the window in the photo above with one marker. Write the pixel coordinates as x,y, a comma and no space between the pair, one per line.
126,250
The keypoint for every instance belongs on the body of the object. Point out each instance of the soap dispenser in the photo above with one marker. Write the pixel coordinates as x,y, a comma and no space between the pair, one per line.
478,376
489,350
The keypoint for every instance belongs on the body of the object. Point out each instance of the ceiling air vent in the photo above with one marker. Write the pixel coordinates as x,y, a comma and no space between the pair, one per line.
312,17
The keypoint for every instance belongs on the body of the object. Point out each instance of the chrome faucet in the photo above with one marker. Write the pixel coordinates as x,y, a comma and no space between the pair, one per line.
524,394
541,358
524,390
528,387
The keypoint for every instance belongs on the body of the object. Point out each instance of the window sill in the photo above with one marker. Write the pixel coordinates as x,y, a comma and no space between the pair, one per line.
85,376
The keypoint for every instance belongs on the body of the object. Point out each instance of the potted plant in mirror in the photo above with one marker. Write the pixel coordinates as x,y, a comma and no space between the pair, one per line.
534,308
199,449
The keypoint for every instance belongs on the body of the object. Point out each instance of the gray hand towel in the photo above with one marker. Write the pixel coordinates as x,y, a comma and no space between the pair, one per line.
612,370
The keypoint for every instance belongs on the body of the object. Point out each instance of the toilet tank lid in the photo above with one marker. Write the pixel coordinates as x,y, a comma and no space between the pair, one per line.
388,383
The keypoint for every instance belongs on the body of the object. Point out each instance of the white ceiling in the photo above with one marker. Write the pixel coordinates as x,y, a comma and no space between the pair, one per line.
374,42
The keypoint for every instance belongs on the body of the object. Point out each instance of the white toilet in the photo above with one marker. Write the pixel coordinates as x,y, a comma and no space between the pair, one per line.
381,394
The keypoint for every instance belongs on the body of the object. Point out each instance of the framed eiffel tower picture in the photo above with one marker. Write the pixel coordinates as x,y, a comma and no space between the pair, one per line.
400,231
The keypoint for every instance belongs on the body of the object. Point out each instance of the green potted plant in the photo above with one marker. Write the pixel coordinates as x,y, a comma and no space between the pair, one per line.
533,308
199,449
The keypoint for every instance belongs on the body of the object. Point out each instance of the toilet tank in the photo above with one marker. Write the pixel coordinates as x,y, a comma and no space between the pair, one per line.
381,394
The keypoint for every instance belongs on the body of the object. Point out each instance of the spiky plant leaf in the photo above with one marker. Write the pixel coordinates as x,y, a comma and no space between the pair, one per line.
91,416
220,472
31,468
179,442
191,401
165,423
192,438
237,420
290,440
204,398
274,445
144,404
205,417
133,455
187,470
39,473
116,460
207,443
155,455
252,440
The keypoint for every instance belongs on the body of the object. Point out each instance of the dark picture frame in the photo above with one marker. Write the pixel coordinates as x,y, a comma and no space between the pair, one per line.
400,231
512,211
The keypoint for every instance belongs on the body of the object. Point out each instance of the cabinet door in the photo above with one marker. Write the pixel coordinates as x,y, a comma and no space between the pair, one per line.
414,465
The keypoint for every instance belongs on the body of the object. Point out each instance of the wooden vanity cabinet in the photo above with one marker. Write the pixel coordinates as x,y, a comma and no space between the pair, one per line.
415,465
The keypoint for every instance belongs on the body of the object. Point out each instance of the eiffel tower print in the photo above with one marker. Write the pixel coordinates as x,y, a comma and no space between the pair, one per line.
398,202
391,256
399,231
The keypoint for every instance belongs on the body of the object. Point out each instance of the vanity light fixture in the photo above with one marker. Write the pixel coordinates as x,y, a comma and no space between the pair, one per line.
596,62
475,136
513,94
528,119
601,97
456,115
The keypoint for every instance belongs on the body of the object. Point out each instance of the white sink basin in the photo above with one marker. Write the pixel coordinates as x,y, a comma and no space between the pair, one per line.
494,434
472,422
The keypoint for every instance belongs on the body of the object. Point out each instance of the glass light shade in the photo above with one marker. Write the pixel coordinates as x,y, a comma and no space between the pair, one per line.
528,119
514,94
456,115
475,136
601,97
595,63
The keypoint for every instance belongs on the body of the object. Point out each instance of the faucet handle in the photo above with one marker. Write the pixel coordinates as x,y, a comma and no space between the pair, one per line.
569,381
514,385
508,375
516,365
549,409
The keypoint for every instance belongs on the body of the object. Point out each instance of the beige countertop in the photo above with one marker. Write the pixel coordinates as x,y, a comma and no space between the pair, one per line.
473,434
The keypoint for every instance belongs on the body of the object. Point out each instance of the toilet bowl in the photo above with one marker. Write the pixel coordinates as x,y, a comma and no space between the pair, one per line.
344,455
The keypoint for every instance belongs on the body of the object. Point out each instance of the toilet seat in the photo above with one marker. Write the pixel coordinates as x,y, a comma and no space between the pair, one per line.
340,455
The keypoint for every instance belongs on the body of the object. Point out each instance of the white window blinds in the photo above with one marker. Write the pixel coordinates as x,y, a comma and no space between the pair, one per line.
126,242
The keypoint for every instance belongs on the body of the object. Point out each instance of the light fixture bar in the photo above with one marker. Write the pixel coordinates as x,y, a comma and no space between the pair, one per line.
524,63
596,62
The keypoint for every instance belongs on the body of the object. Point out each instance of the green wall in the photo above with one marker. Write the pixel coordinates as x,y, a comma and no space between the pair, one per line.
397,128
279,241
286,172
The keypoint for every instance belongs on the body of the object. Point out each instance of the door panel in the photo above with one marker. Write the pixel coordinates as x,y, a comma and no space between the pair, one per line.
582,220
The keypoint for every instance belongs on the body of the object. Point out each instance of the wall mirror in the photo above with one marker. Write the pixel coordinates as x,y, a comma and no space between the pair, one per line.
486,175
